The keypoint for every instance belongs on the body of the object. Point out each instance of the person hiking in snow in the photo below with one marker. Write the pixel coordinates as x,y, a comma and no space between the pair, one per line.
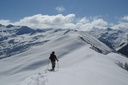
53,59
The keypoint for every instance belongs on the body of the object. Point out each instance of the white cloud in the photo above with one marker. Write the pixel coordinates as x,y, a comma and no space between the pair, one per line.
121,25
61,21
46,21
84,20
125,18
88,24
60,8
66,22
5,22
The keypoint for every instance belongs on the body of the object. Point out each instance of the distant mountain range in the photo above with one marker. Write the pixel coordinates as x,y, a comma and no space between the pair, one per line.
17,39
115,39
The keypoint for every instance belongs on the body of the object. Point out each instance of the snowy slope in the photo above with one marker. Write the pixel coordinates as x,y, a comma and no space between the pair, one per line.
15,39
99,46
90,68
79,63
115,39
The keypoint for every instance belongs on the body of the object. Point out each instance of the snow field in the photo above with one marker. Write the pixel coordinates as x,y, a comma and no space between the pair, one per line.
78,64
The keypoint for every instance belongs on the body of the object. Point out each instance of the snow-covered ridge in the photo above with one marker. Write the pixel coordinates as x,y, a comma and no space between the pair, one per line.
14,40
80,62
96,44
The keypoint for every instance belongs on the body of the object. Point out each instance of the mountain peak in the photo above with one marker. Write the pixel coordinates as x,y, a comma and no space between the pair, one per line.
109,29
10,26
24,30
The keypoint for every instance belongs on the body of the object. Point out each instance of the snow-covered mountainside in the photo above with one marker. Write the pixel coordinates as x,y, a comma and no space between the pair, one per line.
14,40
115,39
81,58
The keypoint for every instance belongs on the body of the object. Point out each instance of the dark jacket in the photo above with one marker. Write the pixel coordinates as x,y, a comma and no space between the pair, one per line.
53,58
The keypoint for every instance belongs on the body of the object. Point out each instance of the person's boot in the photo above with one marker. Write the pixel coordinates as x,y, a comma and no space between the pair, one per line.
53,68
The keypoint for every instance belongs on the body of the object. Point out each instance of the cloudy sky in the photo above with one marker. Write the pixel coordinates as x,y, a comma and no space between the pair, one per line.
73,14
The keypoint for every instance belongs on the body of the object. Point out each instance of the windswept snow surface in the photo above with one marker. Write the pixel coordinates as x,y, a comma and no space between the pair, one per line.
78,64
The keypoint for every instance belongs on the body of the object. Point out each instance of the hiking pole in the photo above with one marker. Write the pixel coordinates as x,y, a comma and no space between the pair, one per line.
58,65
